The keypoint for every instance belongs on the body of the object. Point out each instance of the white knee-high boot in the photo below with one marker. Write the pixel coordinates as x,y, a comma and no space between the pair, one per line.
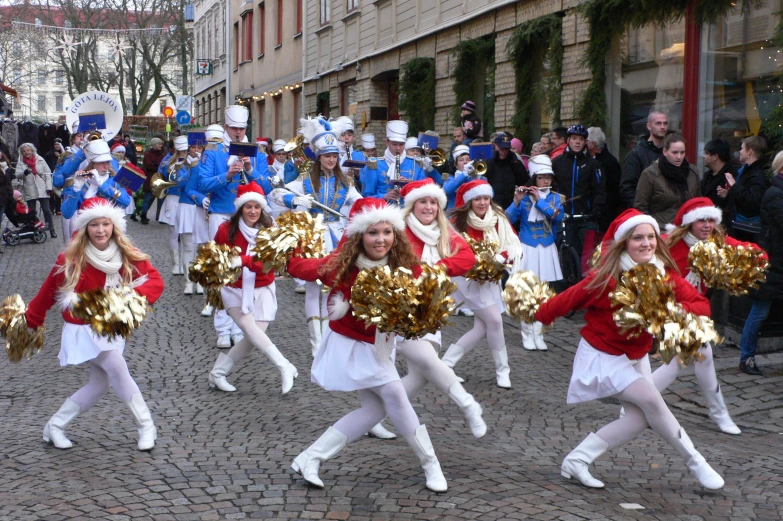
538,335
453,355
141,413
217,376
696,464
308,462
502,371
54,430
719,412
314,327
528,339
575,464
470,408
422,446
287,370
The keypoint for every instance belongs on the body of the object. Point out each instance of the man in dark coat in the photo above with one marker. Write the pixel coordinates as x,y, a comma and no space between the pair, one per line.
611,173
746,191
717,163
643,155
505,171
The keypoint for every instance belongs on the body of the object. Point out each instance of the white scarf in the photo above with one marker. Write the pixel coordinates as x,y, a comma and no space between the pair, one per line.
278,167
535,214
248,277
692,277
626,262
384,342
109,261
391,160
190,159
92,188
499,230
429,234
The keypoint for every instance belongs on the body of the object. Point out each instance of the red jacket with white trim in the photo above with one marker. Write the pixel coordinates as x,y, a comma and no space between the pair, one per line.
458,264
263,278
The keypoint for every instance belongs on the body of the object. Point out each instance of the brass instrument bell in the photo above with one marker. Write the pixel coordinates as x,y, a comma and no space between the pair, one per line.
480,167
295,147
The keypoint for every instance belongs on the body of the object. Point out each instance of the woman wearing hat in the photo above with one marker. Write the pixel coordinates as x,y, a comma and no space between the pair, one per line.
36,179
697,221
170,169
612,363
191,225
463,172
100,255
539,211
357,357
482,219
250,301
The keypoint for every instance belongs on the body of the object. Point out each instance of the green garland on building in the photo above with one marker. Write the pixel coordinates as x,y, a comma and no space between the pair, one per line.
470,56
416,88
542,37
608,21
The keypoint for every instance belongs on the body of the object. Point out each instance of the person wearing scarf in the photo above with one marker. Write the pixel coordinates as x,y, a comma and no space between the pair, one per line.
612,363
100,255
697,221
357,357
666,184
36,179
251,301
191,227
539,211
483,220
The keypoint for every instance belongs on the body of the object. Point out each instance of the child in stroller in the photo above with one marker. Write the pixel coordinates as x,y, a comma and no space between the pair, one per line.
28,226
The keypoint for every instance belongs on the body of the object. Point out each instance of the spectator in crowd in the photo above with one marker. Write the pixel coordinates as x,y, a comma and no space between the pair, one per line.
130,150
504,171
744,193
459,138
36,178
578,177
6,187
536,149
642,155
771,239
516,147
667,183
717,159
152,158
546,143
559,136
610,172
471,123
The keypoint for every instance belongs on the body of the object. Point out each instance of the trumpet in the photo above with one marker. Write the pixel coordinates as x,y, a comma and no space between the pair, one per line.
480,167
438,156
296,148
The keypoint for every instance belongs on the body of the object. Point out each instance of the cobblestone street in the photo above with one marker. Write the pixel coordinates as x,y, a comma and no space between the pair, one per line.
228,455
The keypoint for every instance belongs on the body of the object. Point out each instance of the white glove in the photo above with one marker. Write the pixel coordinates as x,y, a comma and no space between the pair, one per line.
205,203
305,201
426,163
78,181
93,180
236,262
276,181
468,169
500,258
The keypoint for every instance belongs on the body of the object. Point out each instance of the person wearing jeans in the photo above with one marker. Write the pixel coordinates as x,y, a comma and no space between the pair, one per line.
750,336
36,178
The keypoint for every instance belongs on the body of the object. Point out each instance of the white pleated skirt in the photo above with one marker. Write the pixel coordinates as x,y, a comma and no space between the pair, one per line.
345,364
541,260
478,296
264,306
599,375
168,213
200,226
131,208
79,344
186,216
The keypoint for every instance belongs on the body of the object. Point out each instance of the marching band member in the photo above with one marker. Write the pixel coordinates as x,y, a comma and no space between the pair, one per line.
283,168
463,172
378,177
355,356
94,179
100,255
219,177
482,219
611,363
539,211
59,180
250,301
369,147
330,187
697,221
188,219
171,167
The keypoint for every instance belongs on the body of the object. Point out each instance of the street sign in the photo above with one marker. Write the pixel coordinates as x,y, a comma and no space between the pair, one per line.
168,111
184,103
183,117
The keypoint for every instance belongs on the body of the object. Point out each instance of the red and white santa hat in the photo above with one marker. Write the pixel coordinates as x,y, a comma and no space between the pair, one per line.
249,192
471,190
415,190
694,210
118,148
97,207
369,211
624,223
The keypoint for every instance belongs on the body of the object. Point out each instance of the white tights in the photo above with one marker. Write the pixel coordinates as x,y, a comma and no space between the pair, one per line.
378,402
188,252
644,406
315,302
254,332
704,370
424,366
488,322
173,238
108,369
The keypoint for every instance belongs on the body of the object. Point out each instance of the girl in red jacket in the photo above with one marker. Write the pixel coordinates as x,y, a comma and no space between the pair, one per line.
695,222
357,357
99,255
610,363
250,301
477,215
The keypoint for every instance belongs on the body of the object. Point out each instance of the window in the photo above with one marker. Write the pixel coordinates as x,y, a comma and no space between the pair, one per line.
326,11
278,114
16,77
261,28
261,106
247,35
58,103
59,77
394,99
352,4
176,79
347,97
297,100
17,50
41,76
299,16
42,103
279,40
322,103
68,24
236,45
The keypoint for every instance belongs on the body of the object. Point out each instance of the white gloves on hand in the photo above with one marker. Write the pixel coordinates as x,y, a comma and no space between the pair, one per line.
468,169
500,258
426,163
205,203
78,181
93,180
236,262
305,201
276,181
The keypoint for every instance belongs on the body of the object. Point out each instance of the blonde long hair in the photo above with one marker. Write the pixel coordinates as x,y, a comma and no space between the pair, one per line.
678,233
446,229
75,258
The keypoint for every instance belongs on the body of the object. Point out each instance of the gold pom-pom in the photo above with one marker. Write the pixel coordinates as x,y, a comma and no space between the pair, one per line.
524,293
295,230
645,298
595,258
486,269
20,341
213,297
111,312
433,302
736,269
683,336
212,265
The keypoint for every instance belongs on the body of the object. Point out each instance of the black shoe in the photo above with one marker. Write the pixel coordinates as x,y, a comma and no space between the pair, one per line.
134,218
54,235
144,220
749,367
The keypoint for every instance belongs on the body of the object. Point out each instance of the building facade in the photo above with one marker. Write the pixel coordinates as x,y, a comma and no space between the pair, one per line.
266,58
209,39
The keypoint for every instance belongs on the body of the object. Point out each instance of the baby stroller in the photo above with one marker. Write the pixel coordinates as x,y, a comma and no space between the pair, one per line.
28,227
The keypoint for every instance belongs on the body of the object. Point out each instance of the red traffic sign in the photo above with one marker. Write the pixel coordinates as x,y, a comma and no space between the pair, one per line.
168,111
